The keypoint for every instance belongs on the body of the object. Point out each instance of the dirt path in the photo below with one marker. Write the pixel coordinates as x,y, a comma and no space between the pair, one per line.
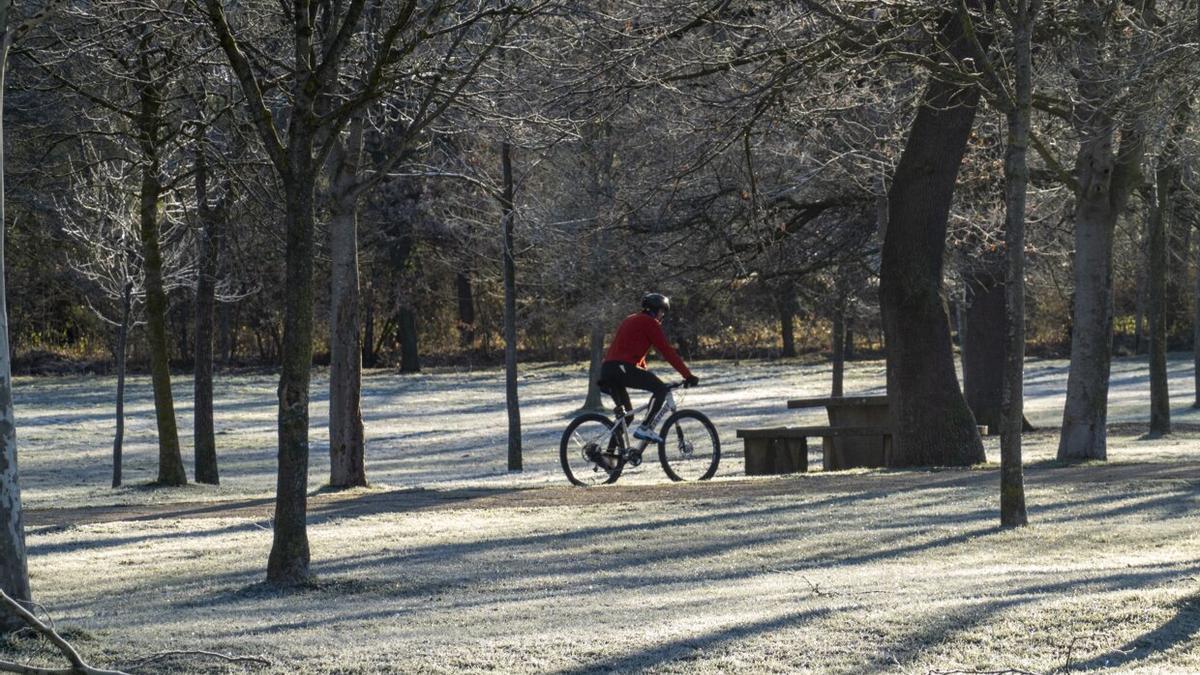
326,506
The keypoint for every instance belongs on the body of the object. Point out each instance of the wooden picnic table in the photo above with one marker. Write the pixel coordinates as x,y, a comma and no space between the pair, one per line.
847,452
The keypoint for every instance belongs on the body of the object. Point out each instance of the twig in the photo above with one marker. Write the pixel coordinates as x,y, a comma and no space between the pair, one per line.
815,588
1005,671
79,666
1070,649
159,656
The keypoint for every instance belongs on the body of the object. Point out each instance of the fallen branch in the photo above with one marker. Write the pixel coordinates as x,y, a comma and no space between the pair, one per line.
78,666
159,656
1005,671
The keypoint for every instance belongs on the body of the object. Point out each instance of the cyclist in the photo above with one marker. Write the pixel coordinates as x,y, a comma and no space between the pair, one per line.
625,363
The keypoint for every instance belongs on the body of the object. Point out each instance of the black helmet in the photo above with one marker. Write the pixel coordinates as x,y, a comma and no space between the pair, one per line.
652,302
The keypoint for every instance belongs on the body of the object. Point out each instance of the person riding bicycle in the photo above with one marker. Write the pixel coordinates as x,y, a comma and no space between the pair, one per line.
625,362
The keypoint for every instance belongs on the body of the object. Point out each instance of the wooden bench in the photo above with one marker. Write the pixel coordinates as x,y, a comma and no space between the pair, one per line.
785,449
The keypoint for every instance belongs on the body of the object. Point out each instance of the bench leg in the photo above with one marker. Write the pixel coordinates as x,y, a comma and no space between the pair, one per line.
758,456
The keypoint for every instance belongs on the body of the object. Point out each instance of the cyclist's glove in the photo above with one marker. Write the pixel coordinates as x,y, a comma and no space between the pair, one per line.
691,381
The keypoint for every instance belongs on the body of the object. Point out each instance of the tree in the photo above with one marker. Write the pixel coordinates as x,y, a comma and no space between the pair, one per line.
210,234
1106,174
316,107
934,425
1022,15
14,570
507,217
102,217
138,109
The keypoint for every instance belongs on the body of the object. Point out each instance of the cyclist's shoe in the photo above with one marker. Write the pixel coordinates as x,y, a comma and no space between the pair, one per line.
645,433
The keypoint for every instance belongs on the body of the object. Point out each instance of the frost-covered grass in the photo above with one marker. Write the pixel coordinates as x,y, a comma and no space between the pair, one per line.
847,572
858,573
448,429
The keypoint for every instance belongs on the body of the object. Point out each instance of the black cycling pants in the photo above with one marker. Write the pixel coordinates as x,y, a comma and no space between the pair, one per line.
618,377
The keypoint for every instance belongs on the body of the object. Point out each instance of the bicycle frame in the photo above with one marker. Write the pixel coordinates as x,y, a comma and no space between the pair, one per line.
622,425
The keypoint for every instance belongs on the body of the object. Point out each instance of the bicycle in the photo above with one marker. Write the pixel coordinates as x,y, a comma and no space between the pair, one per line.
595,449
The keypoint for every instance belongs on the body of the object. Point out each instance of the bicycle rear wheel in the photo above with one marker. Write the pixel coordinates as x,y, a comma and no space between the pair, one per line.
690,449
590,452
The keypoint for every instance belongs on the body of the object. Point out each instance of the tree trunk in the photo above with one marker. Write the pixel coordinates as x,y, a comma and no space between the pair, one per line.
983,350
203,435
466,310
227,330
170,460
934,426
1016,174
410,353
1196,329
347,451
838,341
288,564
14,570
1160,397
1179,241
121,357
787,319
1105,181
595,400
510,311
183,348
1140,299
370,357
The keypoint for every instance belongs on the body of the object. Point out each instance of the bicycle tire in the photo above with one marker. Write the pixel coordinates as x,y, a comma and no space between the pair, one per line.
670,465
570,453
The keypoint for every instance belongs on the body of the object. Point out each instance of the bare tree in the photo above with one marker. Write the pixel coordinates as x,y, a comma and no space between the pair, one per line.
102,217
920,363
299,123
14,571
1106,174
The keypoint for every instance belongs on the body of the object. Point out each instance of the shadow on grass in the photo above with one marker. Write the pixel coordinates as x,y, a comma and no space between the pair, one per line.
1180,629
963,621
694,646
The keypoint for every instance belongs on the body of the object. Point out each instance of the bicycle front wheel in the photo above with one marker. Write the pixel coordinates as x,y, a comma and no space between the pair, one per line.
590,452
690,449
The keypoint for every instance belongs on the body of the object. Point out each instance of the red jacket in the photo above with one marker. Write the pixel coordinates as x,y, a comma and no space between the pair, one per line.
636,334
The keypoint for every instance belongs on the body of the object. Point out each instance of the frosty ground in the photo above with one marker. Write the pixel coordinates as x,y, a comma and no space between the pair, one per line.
451,563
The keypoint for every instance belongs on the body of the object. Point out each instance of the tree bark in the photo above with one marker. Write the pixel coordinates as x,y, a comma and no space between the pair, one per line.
170,459
347,444
787,319
1160,397
121,354
288,563
838,341
1196,328
1016,174
934,426
510,310
203,434
983,350
595,400
370,357
1105,181
410,350
466,310
1141,298
14,570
